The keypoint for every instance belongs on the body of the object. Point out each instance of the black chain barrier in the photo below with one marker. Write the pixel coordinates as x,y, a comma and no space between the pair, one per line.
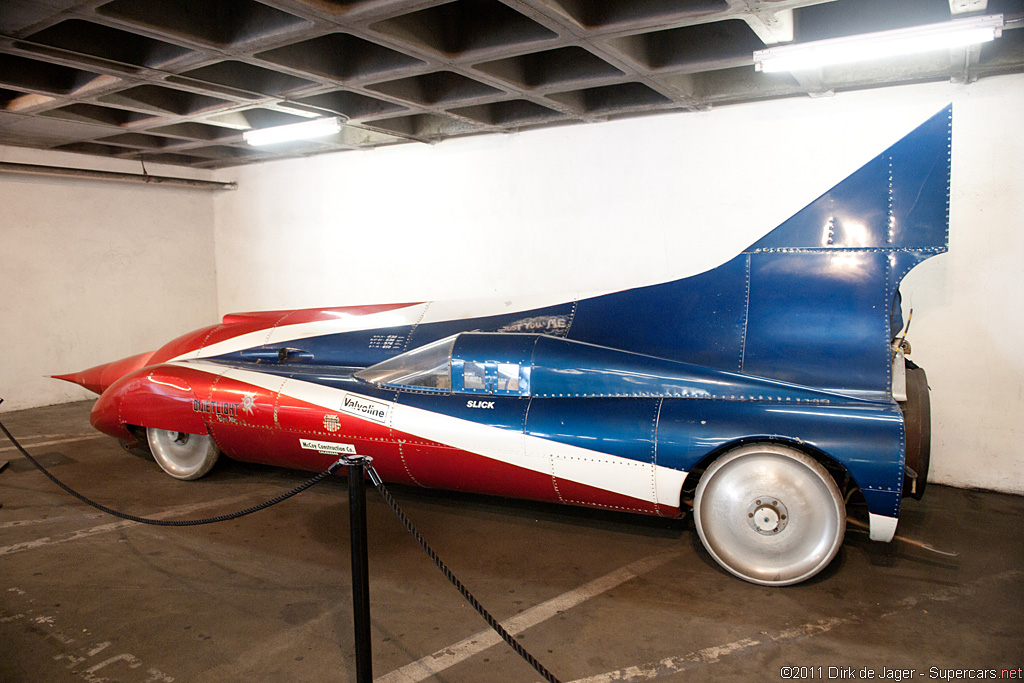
378,484
165,522
491,621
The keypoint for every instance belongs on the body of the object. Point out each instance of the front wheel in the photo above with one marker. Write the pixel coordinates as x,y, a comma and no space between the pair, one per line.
182,455
769,514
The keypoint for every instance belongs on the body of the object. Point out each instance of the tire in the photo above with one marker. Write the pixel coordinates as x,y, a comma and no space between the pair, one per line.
917,422
181,455
769,514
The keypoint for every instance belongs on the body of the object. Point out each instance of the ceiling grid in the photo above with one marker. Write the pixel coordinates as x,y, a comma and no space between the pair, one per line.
179,81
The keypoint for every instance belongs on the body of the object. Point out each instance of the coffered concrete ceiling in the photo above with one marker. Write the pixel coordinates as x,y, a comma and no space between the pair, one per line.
179,81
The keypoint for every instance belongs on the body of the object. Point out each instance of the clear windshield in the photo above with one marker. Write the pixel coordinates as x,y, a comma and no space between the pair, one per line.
427,367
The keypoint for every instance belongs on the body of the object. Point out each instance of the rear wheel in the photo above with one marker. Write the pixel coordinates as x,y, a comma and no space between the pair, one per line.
182,455
770,514
918,429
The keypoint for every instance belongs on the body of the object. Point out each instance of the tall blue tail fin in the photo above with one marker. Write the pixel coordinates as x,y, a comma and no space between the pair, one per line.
810,302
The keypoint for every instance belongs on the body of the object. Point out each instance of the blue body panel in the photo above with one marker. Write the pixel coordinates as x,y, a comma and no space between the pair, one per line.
575,369
865,438
619,427
700,319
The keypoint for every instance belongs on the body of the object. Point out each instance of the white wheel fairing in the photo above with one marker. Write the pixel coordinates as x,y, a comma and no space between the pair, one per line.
182,455
769,514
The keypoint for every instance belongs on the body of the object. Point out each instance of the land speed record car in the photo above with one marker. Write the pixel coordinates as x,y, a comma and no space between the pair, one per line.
762,392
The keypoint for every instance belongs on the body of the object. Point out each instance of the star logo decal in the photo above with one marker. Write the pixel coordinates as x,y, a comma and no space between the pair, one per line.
248,401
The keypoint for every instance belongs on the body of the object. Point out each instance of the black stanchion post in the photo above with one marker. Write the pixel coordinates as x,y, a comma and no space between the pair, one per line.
360,570
4,464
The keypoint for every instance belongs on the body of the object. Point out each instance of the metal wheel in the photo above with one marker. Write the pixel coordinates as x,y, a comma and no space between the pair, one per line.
769,514
183,456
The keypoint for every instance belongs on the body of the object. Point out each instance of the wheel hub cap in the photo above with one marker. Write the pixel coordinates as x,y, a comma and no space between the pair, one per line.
767,515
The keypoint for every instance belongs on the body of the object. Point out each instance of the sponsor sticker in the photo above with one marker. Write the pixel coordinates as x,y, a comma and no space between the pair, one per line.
365,407
332,423
224,410
220,409
328,447
545,324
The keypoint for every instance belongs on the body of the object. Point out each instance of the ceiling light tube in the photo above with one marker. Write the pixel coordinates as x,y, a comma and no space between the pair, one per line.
880,45
307,130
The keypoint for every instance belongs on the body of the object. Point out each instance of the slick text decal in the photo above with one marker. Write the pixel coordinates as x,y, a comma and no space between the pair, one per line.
364,407
328,447
480,404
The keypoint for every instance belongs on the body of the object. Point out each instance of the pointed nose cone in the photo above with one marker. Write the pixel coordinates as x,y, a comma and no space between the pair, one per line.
97,379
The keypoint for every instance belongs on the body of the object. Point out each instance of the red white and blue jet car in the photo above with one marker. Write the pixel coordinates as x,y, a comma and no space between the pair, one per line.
761,392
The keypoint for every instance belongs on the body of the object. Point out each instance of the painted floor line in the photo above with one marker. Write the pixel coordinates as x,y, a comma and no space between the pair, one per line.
85,437
431,665
48,520
712,655
715,653
114,526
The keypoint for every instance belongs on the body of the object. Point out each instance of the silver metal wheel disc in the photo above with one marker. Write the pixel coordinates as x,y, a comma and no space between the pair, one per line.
181,455
770,514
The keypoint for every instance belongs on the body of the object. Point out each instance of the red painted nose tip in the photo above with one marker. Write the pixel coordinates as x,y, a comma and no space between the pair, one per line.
97,379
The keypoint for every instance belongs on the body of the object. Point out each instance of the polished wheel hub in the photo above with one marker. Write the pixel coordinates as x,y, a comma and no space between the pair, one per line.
180,454
767,515
744,506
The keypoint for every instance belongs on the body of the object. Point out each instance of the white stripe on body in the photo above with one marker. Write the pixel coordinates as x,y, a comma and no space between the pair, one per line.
642,481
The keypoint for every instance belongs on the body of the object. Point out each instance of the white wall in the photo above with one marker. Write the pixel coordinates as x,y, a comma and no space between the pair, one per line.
563,209
968,329
93,271
623,203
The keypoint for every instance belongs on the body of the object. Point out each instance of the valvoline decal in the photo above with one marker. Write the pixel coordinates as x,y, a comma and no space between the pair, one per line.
360,406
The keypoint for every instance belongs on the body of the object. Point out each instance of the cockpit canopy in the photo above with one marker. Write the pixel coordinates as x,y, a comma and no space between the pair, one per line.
428,367
475,363
541,366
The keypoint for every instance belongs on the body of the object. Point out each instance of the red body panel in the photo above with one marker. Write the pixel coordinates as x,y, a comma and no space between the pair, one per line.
439,466
183,344
573,493
158,396
98,378
194,341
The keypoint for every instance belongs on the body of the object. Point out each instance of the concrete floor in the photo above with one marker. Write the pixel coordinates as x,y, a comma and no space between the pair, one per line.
597,596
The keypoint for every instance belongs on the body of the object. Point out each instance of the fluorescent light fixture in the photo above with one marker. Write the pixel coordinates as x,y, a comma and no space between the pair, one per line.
872,46
307,130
